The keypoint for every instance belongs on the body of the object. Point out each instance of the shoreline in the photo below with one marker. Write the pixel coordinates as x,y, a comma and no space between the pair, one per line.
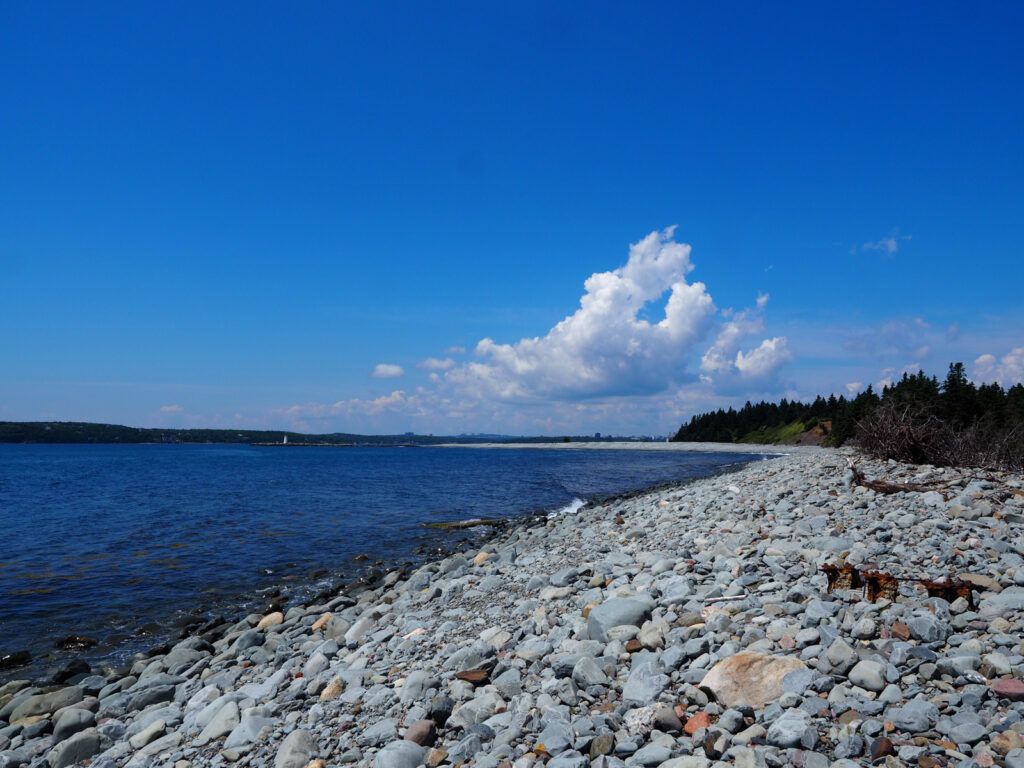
624,445
584,638
293,588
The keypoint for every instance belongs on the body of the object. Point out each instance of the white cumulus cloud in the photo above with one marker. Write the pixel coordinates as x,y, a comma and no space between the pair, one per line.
724,360
764,359
635,350
387,371
605,347
1007,370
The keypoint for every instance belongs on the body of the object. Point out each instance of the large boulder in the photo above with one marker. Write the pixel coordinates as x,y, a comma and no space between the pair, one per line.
750,678
45,703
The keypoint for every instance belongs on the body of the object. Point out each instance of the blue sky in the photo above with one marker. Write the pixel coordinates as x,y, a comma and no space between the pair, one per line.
231,215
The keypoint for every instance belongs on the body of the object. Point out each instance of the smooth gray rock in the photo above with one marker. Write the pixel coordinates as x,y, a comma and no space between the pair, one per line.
400,754
150,733
915,716
45,703
465,749
570,759
248,730
616,612
70,722
251,638
297,749
222,723
928,628
968,733
650,755
81,746
869,675
150,696
379,733
556,737
587,672
644,684
788,729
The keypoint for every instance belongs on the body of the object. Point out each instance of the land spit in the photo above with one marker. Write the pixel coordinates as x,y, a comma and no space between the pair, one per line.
687,627
650,445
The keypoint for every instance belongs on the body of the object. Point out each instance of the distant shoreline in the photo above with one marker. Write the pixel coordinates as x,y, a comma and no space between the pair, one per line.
775,450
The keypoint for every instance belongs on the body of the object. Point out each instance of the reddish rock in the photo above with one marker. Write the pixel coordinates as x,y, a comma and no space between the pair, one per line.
1008,688
881,747
750,678
695,723
435,757
1007,741
634,645
900,631
850,716
422,732
474,676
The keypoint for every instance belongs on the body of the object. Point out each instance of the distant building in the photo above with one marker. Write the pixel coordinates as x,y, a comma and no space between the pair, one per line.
284,440
597,435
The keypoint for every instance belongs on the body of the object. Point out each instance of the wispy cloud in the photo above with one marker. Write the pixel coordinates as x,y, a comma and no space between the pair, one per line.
173,408
387,371
395,400
888,245
436,364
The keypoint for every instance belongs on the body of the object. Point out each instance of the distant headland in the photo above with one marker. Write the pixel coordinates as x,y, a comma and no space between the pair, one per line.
87,432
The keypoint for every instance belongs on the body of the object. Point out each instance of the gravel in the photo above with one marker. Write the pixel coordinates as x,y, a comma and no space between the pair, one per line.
683,628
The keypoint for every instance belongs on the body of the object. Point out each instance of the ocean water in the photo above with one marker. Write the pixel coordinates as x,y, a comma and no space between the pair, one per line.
128,543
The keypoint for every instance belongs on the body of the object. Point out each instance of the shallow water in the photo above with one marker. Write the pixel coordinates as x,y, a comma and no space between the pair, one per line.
102,540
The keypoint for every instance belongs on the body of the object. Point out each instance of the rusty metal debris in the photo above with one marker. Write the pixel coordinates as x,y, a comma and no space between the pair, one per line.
877,585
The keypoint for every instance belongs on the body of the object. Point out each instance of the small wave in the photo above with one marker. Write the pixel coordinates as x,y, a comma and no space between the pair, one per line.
571,508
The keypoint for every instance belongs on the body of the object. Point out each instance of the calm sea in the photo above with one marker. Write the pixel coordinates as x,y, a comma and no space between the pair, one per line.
120,542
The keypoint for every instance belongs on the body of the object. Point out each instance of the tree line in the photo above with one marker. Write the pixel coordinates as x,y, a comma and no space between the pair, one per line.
918,418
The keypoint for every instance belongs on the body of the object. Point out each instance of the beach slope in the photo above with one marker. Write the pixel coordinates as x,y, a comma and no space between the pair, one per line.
689,626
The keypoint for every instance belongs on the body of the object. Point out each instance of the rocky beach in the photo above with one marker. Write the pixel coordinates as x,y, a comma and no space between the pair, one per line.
687,627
